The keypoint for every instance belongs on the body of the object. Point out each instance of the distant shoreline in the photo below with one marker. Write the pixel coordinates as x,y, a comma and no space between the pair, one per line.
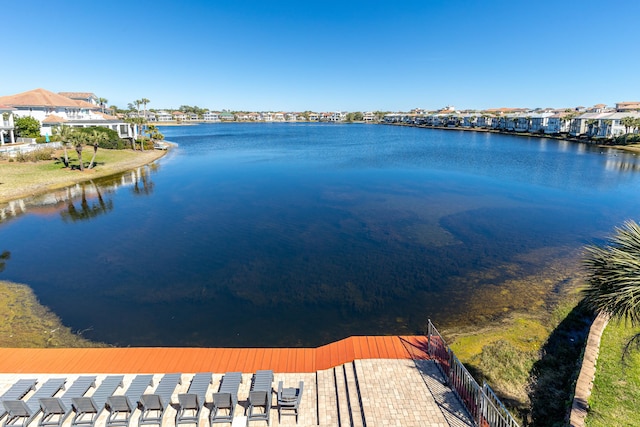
633,148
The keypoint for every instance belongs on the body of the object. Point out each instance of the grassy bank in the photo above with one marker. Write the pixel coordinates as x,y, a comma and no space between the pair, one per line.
24,322
615,398
18,180
530,357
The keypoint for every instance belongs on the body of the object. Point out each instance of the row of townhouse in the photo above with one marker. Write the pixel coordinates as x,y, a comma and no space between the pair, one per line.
54,109
264,116
596,123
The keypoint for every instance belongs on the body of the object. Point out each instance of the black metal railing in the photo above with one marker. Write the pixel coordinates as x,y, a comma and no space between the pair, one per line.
481,402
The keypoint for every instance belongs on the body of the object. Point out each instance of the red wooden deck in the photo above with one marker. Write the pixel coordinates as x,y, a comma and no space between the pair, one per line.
190,360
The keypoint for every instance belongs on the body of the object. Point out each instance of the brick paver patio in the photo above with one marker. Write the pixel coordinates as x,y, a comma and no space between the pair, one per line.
393,392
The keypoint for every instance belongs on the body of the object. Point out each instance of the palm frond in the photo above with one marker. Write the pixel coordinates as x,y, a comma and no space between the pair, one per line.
613,281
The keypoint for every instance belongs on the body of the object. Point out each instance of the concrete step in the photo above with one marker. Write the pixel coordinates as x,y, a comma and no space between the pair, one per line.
327,403
344,412
357,416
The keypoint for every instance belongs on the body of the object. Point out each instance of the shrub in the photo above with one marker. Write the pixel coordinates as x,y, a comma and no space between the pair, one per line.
43,139
35,156
148,144
630,138
112,142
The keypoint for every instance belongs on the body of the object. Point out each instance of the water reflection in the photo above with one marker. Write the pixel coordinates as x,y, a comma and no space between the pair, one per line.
4,256
90,195
86,210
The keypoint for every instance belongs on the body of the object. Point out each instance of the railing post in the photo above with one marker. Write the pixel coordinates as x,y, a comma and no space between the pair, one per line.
429,350
481,406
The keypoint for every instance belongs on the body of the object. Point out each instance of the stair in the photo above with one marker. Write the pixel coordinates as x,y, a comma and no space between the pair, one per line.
327,403
342,396
339,402
357,414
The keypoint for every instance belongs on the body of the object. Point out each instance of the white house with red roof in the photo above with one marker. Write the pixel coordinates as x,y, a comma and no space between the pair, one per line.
52,110
89,97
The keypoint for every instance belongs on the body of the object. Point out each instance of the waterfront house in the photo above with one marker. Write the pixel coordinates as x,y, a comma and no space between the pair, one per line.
163,116
227,117
484,121
578,124
89,97
338,116
469,120
292,117
179,116
314,117
193,117
539,122
558,123
589,124
628,106
6,125
211,116
52,109
610,126
369,117
278,117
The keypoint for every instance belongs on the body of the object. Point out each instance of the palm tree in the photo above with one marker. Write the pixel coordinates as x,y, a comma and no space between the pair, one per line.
78,141
627,122
96,138
138,103
613,281
102,102
154,133
66,135
593,128
607,127
144,102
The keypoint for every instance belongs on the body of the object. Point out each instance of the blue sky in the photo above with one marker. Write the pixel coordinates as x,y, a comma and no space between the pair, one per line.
327,55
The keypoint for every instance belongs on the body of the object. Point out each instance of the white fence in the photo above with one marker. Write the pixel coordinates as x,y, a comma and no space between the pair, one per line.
13,149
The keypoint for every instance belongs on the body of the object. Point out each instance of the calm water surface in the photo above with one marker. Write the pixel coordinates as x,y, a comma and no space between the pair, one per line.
299,234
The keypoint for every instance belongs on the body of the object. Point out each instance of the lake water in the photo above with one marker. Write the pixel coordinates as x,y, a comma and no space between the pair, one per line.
300,234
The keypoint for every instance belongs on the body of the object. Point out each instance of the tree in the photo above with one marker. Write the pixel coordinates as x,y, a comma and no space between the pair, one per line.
65,133
592,125
607,126
27,127
102,102
627,122
78,139
613,281
144,102
96,138
154,133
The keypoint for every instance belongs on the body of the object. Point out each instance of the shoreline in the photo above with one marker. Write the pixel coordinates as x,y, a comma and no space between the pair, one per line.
14,185
632,148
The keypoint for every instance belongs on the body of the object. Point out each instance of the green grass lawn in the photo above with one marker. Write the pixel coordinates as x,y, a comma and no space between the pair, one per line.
615,399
